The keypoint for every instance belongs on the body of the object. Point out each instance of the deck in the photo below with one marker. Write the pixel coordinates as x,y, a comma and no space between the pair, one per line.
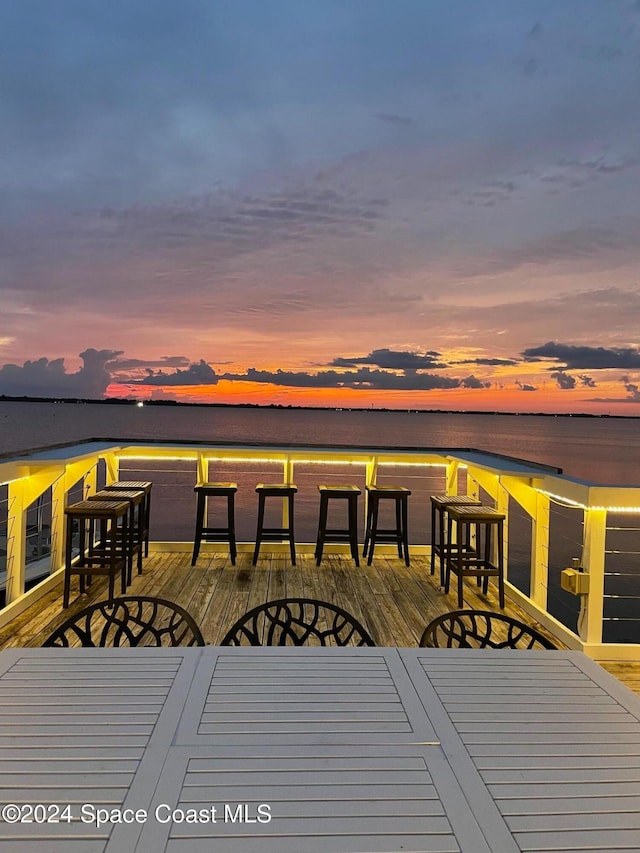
393,601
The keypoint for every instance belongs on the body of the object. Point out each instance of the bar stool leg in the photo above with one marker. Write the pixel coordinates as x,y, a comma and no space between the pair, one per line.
460,578
399,527
374,528
292,541
367,530
322,526
487,556
500,535
231,523
256,550
199,525
67,562
353,528
405,528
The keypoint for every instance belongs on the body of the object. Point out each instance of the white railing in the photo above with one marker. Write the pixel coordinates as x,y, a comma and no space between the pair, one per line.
536,489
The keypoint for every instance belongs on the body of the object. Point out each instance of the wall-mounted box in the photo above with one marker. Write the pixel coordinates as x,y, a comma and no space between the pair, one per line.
574,581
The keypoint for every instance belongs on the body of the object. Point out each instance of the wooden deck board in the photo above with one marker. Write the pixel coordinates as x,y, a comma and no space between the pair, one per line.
393,601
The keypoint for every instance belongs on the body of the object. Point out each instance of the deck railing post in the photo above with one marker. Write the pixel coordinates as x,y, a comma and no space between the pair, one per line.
16,539
539,580
370,476
593,553
112,463
287,477
202,474
451,486
58,526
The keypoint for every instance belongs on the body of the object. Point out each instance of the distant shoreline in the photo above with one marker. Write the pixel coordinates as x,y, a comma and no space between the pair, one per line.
117,401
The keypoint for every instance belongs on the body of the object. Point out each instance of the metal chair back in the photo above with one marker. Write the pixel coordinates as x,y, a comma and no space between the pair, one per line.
129,621
481,629
297,622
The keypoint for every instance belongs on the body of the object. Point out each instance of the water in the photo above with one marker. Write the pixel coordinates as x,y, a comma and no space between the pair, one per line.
603,450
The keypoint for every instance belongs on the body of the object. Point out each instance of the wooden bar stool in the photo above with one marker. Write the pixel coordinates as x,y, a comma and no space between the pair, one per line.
350,494
215,534
476,564
135,525
107,560
145,485
440,545
275,534
399,533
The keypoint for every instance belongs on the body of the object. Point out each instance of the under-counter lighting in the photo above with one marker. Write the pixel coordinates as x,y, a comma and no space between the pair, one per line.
570,504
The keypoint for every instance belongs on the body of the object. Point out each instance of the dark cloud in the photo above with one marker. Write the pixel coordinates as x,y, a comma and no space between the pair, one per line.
393,360
195,374
136,363
564,381
473,382
49,378
363,379
489,362
581,357
586,380
524,387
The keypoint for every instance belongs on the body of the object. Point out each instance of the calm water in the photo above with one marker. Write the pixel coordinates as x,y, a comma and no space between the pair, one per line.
605,450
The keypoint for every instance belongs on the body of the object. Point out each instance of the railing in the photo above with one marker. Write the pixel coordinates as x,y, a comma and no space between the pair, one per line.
552,520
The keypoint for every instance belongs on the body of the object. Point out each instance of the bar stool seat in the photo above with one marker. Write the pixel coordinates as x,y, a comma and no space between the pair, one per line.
440,545
477,563
108,560
135,526
350,494
284,491
145,485
398,534
215,534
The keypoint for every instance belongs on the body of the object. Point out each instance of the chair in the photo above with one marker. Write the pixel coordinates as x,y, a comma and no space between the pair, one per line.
284,491
481,629
398,534
215,534
297,622
128,621
349,534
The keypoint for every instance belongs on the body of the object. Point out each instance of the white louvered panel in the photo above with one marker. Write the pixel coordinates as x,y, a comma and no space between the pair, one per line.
74,725
561,757
258,696
352,799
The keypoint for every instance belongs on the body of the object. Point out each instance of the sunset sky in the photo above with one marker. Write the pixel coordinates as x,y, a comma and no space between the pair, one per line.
405,203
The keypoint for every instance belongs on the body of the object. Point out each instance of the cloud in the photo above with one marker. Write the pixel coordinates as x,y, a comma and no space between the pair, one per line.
49,378
363,379
524,387
135,363
393,360
587,381
581,357
564,381
195,374
489,362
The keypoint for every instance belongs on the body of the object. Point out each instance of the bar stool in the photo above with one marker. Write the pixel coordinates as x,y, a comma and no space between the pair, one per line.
399,533
350,494
466,564
215,534
275,534
145,485
440,546
110,559
135,525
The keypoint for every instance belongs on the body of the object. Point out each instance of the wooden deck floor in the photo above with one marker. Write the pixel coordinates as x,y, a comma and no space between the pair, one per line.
394,602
